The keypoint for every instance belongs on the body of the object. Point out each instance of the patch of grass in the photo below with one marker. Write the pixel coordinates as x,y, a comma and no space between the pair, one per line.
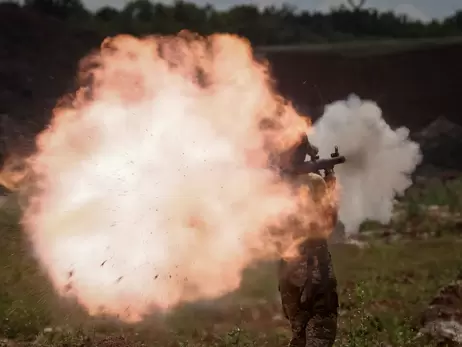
23,289
432,209
439,193
382,289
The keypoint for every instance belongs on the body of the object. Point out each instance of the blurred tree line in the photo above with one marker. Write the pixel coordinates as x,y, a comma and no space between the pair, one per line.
267,26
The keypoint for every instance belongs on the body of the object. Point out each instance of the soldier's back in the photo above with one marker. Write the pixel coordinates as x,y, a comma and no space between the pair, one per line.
308,285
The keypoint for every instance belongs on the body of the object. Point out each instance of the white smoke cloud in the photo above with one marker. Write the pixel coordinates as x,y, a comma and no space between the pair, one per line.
379,159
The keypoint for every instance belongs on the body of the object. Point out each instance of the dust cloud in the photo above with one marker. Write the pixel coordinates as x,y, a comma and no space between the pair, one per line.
379,163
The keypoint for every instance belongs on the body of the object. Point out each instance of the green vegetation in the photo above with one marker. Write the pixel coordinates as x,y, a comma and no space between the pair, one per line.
269,26
383,289
363,48
428,210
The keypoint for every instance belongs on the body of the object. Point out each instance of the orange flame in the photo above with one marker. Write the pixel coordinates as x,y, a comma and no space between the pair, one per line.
153,188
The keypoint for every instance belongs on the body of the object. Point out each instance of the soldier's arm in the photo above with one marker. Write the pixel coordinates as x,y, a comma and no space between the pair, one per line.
330,201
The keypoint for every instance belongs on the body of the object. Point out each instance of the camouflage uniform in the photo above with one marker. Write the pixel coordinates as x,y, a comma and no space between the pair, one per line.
307,282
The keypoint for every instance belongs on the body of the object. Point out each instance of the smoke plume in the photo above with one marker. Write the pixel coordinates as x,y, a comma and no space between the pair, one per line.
379,159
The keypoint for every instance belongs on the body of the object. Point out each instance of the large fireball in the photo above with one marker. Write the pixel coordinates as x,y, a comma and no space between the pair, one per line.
154,188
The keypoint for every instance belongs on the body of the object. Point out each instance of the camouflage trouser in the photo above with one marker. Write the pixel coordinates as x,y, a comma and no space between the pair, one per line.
308,290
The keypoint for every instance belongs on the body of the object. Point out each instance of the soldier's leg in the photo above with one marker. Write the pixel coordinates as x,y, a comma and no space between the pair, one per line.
298,318
298,327
322,326
292,279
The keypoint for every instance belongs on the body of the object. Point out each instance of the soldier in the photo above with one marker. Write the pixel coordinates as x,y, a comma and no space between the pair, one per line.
307,282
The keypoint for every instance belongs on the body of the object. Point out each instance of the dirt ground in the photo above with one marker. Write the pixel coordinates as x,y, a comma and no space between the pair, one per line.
38,62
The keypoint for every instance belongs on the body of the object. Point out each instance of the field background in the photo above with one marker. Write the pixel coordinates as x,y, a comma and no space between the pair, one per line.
386,280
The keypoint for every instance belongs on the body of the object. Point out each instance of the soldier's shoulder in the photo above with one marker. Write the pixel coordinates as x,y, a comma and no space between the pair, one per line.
315,183
313,179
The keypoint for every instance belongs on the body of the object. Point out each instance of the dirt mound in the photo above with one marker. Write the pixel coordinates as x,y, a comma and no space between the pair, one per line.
39,57
441,144
413,87
442,320
38,61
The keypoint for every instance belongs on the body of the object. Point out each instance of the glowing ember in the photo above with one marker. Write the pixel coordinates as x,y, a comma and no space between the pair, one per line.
154,190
